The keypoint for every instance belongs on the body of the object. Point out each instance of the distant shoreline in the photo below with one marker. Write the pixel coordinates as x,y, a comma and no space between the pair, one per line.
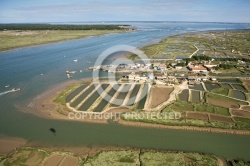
8,43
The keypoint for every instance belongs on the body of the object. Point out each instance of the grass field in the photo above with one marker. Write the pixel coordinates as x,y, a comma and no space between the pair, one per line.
204,107
114,158
148,158
222,91
170,158
220,97
243,123
238,163
35,156
17,38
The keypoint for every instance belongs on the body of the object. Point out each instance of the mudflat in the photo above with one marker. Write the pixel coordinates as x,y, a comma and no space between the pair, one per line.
8,145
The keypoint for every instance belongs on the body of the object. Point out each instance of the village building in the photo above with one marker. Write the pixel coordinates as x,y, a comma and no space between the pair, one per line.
160,77
210,65
173,64
204,79
194,79
133,76
133,67
197,68
171,79
213,79
162,67
178,67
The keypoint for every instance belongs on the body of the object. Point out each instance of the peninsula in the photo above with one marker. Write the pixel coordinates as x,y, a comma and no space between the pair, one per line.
22,35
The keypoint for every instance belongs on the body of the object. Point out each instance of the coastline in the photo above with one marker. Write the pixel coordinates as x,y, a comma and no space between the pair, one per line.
11,144
61,40
189,128
45,108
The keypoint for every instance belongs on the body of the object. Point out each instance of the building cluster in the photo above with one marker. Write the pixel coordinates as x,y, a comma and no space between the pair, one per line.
159,72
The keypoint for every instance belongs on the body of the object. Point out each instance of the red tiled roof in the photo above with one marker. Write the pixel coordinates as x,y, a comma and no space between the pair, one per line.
197,67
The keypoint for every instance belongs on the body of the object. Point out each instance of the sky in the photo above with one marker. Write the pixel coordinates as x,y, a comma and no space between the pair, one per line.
39,11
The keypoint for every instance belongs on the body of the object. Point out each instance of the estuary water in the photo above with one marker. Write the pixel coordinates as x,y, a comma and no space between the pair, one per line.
37,69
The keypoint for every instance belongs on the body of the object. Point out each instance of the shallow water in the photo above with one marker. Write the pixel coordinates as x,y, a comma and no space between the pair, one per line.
183,96
238,95
94,96
211,86
231,80
121,96
196,87
238,87
82,96
227,86
195,96
75,92
133,94
143,97
104,101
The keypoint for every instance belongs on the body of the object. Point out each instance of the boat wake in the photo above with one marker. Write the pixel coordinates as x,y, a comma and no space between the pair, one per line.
9,91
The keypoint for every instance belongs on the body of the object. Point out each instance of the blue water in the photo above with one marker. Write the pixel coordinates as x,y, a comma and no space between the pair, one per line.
36,69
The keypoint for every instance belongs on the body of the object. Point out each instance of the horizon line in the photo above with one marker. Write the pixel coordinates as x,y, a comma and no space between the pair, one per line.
124,21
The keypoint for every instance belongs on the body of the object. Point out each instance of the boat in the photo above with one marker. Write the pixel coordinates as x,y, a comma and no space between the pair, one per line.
75,60
15,89
6,86
69,76
70,72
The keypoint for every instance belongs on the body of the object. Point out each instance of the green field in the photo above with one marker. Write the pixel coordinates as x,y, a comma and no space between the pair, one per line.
224,98
222,91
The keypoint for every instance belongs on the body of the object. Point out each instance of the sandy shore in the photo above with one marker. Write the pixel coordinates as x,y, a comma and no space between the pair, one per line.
9,144
45,107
